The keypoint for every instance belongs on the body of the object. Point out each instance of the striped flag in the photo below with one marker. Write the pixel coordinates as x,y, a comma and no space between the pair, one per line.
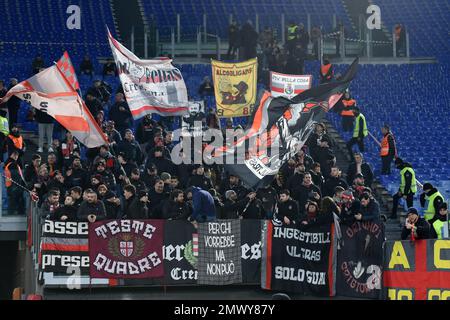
287,85
49,91
150,86
195,244
65,65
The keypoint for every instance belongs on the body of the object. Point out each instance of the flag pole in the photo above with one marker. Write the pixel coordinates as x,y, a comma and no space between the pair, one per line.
375,139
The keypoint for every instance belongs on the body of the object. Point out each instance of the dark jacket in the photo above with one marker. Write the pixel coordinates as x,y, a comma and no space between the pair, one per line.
366,171
268,197
122,119
79,177
253,210
200,181
94,106
302,194
289,209
423,230
348,213
135,209
156,202
172,210
48,211
203,205
69,211
232,209
371,212
86,209
331,183
42,117
131,149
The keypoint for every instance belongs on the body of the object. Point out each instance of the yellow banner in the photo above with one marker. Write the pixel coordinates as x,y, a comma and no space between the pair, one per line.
235,86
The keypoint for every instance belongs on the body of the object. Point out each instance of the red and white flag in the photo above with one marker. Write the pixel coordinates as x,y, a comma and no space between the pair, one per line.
65,65
287,85
49,91
150,86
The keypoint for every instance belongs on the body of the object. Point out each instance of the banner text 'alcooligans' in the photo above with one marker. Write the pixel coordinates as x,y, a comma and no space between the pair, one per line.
298,260
64,245
235,86
219,257
123,249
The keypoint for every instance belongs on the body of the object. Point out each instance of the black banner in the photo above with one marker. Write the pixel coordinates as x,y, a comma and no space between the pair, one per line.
180,253
298,260
64,247
358,273
251,251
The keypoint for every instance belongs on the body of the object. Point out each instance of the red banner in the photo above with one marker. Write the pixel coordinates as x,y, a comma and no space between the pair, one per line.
126,249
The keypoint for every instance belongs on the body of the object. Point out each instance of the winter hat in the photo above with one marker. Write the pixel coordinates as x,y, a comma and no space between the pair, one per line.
164,176
412,210
228,194
427,186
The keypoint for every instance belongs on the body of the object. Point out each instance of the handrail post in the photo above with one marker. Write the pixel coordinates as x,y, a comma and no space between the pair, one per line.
407,42
132,39
178,28
145,44
283,28
218,48
199,43
204,28
394,45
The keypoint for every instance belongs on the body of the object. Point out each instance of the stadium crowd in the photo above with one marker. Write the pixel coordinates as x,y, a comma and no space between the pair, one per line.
133,176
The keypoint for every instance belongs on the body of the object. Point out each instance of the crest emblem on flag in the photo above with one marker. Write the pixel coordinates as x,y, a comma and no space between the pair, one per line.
288,89
126,248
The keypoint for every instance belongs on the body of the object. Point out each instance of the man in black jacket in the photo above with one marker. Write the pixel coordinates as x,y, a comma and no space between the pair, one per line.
415,228
91,209
157,197
232,207
433,198
304,192
121,115
288,210
13,105
135,204
198,179
76,175
130,147
268,197
176,208
94,105
360,166
111,202
333,181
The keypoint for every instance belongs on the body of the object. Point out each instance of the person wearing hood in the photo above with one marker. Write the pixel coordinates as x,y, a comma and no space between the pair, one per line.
415,228
431,200
15,142
204,209
408,186
268,197
439,224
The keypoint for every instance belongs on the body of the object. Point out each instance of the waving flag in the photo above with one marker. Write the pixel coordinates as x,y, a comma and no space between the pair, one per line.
278,128
150,86
49,91
65,65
